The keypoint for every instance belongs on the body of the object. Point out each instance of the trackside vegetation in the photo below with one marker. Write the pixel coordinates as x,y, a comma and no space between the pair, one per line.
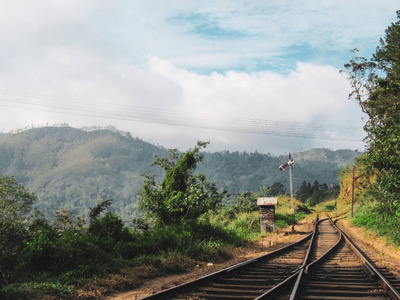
375,86
70,257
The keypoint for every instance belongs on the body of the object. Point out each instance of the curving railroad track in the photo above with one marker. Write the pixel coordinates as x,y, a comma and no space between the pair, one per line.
325,264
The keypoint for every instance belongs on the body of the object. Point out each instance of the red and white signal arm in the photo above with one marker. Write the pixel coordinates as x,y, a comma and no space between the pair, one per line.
282,167
290,162
267,201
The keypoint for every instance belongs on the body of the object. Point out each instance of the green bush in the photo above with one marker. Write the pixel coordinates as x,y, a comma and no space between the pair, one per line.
126,250
245,225
75,250
110,226
379,219
39,252
194,240
12,240
283,220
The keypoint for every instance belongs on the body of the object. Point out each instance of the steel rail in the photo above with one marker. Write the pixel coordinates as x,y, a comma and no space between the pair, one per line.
276,289
326,254
368,266
306,265
210,277
388,287
298,275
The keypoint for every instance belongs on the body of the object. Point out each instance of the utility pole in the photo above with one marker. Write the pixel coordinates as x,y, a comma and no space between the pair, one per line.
352,191
291,183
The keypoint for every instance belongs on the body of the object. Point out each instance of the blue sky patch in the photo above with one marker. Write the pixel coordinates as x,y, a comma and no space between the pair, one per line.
205,26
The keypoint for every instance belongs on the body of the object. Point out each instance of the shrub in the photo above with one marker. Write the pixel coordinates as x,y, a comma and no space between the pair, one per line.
127,250
283,220
39,252
110,227
379,219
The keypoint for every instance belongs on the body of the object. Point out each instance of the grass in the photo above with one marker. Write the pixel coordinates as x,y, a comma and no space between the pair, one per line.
327,206
379,219
38,290
374,214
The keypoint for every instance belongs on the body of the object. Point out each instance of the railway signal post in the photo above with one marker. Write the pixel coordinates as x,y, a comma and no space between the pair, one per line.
283,167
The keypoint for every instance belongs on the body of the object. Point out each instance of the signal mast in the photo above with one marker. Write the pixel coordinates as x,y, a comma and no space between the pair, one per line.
281,168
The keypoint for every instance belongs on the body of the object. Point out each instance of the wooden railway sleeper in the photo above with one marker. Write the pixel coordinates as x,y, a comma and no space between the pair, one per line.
230,270
370,273
387,286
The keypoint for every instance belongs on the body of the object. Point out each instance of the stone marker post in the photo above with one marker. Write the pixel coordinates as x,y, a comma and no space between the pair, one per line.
267,213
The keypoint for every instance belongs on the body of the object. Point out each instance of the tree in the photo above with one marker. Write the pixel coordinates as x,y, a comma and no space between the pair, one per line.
379,98
323,187
315,186
15,205
304,191
15,200
276,189
315,198
96,211
182,196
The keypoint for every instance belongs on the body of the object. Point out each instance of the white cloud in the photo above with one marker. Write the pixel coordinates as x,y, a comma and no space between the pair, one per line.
316,94
302,96
274,60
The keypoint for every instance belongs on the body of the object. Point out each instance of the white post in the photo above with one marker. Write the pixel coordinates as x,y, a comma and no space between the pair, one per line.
282,167
291,186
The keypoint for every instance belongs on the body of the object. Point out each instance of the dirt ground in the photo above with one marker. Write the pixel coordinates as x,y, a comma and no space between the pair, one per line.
264,246
373,245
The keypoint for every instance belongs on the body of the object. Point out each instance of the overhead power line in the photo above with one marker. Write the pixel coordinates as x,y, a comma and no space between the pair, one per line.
64,105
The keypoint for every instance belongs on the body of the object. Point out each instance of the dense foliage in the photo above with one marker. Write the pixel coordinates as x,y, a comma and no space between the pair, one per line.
65,253
316,193
376,87
182,196
15,205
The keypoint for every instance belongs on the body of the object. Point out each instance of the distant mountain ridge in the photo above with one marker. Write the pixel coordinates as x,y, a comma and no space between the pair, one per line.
340,157
75,169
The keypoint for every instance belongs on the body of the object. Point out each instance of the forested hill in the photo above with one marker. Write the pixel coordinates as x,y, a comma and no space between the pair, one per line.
75,169
250,171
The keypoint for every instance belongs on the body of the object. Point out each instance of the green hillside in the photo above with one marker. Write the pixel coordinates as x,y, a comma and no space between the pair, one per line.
250,171
75,169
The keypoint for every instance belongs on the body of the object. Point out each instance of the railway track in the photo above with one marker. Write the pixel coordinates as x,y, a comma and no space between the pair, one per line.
323,265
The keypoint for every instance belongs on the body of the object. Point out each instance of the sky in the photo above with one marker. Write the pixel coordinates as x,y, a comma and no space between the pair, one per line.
255,75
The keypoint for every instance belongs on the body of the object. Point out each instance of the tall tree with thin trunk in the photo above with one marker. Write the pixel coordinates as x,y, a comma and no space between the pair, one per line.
376,87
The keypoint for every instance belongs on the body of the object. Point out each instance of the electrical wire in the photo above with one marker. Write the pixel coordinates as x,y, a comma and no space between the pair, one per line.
114,111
